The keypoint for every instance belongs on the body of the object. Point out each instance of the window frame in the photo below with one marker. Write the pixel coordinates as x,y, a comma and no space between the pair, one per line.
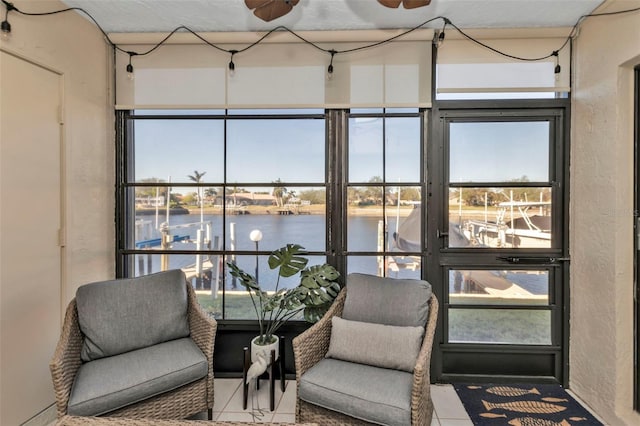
435,260
457,361
125,180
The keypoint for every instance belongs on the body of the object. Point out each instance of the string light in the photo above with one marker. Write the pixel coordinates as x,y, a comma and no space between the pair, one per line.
5,27
130,74
558,68
440,41
232,66
330,67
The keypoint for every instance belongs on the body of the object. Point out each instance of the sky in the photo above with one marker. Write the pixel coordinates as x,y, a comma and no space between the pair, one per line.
262,151
499,152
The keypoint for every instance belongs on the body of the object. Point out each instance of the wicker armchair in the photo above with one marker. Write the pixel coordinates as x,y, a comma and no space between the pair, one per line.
311,347
179,403
124,421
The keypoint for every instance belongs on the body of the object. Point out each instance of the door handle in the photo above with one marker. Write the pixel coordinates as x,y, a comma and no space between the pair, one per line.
528,259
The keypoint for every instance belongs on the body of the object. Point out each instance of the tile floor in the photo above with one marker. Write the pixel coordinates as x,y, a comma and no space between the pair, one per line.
228,404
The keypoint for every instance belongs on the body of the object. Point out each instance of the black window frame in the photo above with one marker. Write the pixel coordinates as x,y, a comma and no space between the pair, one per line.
234,333
481,362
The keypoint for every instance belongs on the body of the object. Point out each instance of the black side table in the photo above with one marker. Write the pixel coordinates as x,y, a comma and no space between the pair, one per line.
270,372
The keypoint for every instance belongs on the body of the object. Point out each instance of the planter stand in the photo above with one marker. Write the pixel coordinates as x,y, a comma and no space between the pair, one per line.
270,372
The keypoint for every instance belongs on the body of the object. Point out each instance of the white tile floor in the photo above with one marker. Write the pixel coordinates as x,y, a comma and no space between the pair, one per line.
228,404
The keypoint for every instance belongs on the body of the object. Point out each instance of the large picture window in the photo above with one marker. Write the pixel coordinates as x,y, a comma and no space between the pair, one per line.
475,204
196,184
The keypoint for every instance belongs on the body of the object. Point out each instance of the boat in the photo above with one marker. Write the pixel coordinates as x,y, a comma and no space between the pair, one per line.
407,237
515,226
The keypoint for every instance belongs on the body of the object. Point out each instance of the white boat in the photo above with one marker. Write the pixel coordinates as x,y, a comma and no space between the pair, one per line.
516,225
523,224
407,237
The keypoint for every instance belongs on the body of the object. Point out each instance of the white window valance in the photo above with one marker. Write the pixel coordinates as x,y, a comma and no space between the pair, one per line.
290,74
277,75
465,67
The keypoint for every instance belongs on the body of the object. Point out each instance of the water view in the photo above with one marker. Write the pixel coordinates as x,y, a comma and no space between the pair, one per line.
365,233
277,230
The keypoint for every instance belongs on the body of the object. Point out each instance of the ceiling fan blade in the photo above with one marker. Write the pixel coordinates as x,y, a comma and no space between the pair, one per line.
253,4
274,9
390,3
408,4
412,4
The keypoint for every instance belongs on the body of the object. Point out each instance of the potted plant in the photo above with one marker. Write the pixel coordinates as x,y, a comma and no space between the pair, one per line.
313,295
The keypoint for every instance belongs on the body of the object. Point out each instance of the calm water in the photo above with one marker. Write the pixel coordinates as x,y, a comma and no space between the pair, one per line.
306,230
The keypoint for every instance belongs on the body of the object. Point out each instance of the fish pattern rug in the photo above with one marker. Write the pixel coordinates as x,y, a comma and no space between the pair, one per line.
522,405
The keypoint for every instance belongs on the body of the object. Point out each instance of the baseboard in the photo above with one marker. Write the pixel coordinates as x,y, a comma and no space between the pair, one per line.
585,405
46,417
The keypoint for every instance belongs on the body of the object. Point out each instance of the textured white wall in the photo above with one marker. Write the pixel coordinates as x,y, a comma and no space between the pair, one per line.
73,46
601,213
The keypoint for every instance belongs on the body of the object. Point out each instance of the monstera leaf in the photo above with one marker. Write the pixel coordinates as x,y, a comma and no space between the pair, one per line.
289,259
312,296
318,276
318,288
248,281
313,313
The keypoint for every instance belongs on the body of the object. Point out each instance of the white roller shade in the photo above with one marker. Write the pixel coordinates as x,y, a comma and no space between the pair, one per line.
465,67
277,75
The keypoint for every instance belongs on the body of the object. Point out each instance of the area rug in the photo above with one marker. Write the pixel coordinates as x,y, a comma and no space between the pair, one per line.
522,405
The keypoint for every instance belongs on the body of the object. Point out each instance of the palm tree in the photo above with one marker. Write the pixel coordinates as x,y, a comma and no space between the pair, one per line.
278,192
197,177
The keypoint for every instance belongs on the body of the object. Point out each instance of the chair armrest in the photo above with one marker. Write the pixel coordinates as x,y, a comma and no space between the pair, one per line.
203,332
312,345
421,377
66,359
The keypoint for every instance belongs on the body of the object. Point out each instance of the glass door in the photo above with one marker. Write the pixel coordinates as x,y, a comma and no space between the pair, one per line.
501,263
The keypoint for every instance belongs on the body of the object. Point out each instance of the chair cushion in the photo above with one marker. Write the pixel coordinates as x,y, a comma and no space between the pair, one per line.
386,346
122,315
390,301
111,383
377,395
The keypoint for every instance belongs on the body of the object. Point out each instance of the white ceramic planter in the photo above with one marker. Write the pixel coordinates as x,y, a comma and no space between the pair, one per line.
266,349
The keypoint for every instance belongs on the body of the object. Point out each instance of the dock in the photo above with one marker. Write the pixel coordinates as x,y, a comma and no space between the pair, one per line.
191,271
237,210
294,208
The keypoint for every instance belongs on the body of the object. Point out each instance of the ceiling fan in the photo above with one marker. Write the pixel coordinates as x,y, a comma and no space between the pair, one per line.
408,4
268,10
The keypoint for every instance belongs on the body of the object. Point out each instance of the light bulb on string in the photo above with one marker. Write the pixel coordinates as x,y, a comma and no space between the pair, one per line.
441,34
558,68
5,26
232,65
330,67
130,74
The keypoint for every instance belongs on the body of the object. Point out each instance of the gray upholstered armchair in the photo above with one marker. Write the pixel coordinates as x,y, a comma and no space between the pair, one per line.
136,347
367,360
